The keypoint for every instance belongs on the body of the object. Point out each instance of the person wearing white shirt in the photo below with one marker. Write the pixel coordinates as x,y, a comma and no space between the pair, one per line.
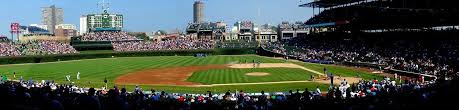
318,91
68,77
78,76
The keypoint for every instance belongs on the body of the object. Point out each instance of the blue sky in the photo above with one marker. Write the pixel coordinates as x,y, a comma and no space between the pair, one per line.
151,15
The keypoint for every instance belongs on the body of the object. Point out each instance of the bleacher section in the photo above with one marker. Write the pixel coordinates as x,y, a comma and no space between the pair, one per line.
237,44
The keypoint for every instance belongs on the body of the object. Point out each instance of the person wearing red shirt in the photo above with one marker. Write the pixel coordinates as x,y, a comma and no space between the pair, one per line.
181,99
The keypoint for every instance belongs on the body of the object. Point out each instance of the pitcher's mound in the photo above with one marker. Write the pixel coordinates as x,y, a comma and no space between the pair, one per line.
257,74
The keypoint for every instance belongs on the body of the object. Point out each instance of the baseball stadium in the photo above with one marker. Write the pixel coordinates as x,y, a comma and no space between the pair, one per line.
351,54
218,73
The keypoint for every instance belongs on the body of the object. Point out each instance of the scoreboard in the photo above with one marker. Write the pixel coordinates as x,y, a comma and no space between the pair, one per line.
105,22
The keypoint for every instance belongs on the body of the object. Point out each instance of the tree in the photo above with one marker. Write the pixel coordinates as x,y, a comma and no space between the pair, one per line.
140,35
143,36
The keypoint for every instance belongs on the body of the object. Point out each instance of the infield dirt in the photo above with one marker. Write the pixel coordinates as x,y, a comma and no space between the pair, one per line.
257,74
164,76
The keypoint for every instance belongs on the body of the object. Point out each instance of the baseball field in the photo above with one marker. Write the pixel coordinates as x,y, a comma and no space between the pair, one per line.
189,74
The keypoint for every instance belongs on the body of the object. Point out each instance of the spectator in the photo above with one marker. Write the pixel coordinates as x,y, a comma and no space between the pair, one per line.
108,36
177,44
8,49
35,48
394,52
50,95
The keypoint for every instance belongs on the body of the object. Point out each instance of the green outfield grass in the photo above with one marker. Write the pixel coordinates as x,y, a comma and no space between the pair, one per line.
93,72
234,75
340,70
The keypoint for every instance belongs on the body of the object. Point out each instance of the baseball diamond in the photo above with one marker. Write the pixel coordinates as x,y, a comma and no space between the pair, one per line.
229,54
186,72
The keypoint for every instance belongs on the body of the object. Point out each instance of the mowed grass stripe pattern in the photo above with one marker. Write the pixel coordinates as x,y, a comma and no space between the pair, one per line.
93,71
235,75
340,70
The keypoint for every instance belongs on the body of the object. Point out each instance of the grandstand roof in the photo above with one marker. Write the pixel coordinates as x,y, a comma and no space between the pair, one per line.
328,3
207,26
389,15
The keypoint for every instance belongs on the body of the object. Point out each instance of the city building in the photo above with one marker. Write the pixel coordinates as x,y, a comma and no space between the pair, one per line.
243,30
198,14
287,30
207,30
67,30
233,33
199,29
44,27
36,32
83,25
33,29
247,31
265,33
52,16
102,22
66,26
219,31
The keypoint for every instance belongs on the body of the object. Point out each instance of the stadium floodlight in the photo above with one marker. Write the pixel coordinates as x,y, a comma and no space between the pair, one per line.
104,5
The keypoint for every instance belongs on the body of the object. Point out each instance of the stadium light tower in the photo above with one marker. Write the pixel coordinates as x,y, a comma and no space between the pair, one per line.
258,39
104,5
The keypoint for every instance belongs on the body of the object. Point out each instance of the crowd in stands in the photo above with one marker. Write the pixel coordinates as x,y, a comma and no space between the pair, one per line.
176,44
108,36
365,95
7,49
402,51
35,48
237,44
46,48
